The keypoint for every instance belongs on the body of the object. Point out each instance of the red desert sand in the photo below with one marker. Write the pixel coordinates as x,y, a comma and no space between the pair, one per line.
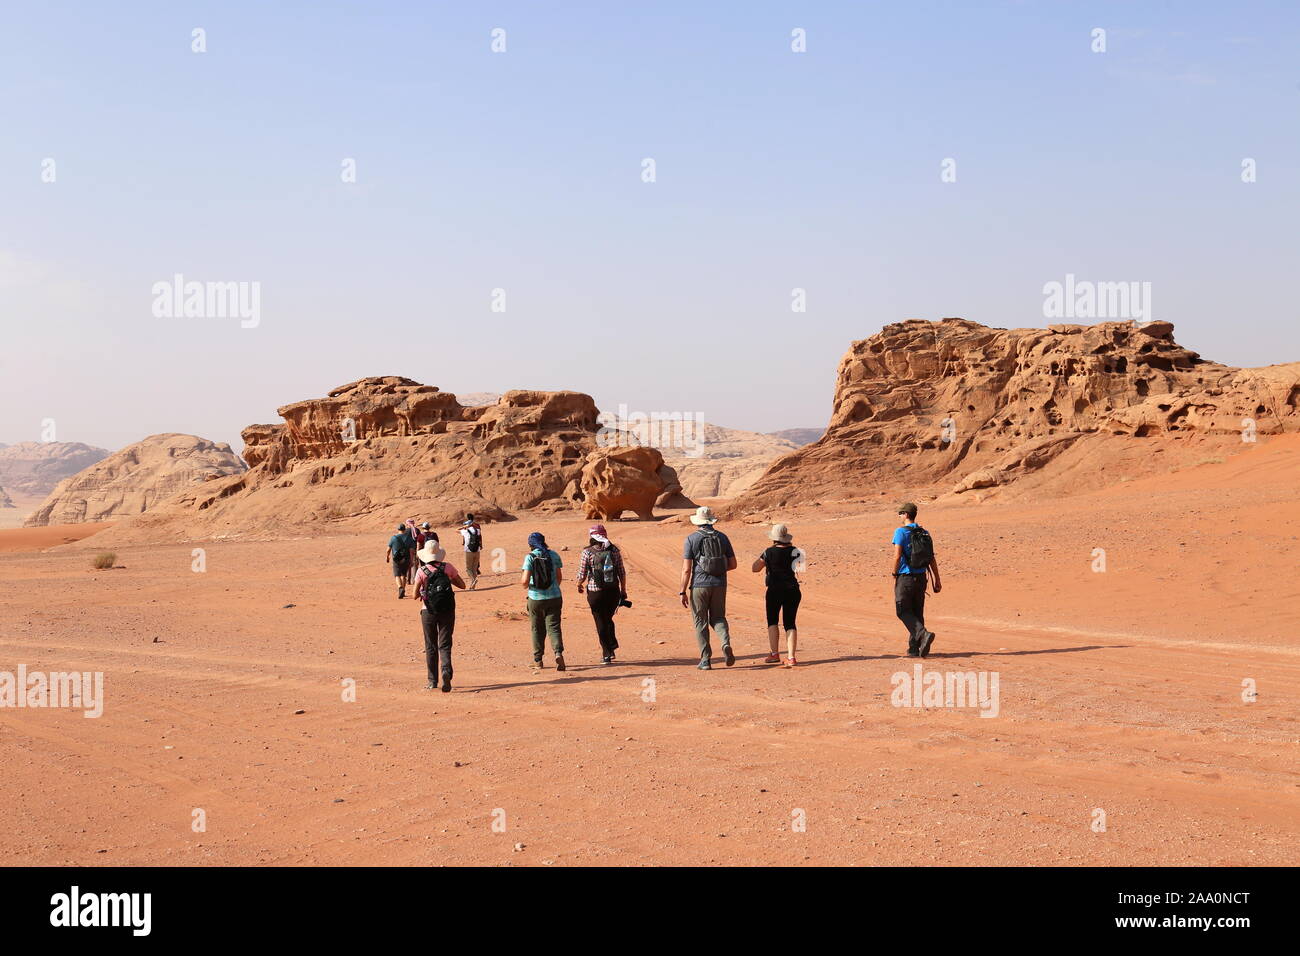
1124,691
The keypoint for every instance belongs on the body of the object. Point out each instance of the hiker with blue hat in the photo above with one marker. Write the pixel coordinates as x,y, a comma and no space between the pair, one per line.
541,579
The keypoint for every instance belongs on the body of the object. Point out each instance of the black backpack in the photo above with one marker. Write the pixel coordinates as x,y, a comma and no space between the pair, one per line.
475,540
607,573
920,551
540,574
711,558
437,586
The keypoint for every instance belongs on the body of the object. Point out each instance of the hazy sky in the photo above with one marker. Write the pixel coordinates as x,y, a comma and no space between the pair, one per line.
522,171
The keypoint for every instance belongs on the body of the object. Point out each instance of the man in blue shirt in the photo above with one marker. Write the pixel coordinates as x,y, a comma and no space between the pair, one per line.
909,584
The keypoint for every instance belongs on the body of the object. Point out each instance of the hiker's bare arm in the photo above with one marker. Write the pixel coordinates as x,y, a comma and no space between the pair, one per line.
934,572
731,563
688,566
759,565
898,556
523,579
388,553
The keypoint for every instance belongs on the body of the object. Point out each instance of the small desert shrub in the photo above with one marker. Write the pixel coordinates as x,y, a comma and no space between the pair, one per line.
1210,461
104,560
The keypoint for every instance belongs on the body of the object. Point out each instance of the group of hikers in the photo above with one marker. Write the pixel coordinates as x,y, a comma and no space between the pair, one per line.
418,559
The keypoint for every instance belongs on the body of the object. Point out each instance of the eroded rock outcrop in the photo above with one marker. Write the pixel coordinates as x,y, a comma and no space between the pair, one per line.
131,481
954,406
385,448
634,478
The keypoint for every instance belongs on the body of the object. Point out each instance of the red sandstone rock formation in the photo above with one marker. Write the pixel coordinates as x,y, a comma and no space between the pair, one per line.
387,448
615,480
954,406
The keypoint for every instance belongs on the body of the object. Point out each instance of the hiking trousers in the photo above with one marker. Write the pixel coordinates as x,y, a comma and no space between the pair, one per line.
909,605
544,618
603,604
709,609
438,627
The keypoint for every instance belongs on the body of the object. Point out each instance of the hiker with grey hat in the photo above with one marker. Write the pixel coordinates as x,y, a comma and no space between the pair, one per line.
782,562
913,559
707,556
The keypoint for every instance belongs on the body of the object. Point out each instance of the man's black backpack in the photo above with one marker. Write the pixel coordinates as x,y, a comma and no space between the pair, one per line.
711,558
437,586
920,551
474,540
540,574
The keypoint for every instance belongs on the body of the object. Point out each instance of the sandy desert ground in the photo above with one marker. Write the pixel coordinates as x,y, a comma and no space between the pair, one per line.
1120,691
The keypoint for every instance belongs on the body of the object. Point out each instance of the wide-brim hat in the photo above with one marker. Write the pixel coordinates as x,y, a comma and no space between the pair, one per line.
703,515
781,533
432,551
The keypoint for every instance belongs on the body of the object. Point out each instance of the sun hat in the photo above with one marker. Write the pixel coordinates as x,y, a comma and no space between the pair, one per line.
703,515
781,533
432,551
426,526
598,532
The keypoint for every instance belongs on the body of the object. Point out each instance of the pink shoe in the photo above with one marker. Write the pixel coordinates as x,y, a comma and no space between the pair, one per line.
791,662
772,659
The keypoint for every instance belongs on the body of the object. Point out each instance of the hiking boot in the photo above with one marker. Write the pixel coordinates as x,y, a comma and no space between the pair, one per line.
559,662
923,646
538,665
401,594
607,659
773,658
726,653
706,664
446,687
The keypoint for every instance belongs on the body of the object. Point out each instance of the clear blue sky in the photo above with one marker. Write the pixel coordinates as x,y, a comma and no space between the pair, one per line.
522,170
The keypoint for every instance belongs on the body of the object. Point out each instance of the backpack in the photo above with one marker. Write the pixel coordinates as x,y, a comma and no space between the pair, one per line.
711,558
607,573
920,551
474,540
540,574
437,586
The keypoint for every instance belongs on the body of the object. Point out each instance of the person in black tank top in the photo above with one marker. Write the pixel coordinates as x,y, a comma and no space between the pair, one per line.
782,562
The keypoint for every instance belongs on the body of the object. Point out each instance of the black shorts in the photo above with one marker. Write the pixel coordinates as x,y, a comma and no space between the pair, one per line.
400,568
783,603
